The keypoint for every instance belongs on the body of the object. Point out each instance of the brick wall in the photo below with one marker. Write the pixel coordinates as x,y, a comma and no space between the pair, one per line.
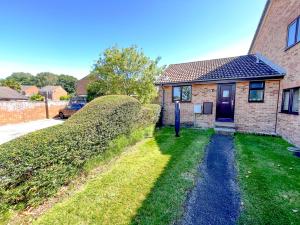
256,117
271,42
249,117
58,92
23,111
200,93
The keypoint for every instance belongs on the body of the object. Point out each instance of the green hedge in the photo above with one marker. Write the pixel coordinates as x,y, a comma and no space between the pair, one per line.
34,166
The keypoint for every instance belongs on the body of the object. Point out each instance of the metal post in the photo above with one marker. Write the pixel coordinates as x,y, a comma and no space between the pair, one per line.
177,118
46,105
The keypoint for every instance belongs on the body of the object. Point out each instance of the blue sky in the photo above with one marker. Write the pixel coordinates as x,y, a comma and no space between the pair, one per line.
67,36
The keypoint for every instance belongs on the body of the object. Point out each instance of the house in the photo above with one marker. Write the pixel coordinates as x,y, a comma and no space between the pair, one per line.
278,38
53,92
29,90
81,85
257,93
7,94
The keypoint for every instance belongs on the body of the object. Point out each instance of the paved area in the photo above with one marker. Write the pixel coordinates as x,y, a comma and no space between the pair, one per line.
215,199
12,131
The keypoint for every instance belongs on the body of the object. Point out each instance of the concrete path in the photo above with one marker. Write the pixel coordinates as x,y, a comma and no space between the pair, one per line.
12,131
215,199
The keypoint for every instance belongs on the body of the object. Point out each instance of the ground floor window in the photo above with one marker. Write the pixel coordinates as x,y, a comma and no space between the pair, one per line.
256,91
290,101
182,93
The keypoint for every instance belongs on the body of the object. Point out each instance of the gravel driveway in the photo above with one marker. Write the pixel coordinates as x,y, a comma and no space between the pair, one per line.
12,131
215,199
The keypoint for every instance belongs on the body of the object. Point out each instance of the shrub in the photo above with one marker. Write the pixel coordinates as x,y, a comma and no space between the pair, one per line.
34,166
65,98
36,97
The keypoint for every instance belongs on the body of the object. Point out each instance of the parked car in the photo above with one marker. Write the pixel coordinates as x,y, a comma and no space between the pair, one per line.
69,110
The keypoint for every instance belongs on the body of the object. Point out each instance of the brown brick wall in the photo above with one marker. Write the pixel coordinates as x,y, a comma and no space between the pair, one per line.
58,92
249,117
200,93
23,111
256,117
271,42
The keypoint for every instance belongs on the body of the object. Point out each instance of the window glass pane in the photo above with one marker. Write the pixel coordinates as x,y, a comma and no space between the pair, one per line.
186,93
291,34
286,100
225,93
176,94
295,105
256,85
256,95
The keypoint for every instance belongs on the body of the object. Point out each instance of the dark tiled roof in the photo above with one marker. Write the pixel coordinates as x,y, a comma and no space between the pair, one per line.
240,67
7,93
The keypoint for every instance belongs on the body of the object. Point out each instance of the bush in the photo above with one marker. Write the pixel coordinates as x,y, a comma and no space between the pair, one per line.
34,166
36,97
65,98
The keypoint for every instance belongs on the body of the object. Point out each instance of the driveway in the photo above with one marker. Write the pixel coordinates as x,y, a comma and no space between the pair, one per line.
215,199
12,131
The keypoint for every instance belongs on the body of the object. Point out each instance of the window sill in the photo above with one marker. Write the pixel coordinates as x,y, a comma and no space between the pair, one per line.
287,48
290,113
256,101
182,101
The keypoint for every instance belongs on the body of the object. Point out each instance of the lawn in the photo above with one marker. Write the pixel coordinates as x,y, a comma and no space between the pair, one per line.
148,184
269,177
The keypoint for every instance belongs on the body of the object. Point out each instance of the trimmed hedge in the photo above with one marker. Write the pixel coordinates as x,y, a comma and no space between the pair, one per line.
34,166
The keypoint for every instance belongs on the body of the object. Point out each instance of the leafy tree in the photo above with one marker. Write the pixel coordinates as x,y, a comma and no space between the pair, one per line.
67,82
125,71
46,78
22,78
11,84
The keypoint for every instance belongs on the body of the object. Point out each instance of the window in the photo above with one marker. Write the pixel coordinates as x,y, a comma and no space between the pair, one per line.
256,91
293,36
290,101
182,93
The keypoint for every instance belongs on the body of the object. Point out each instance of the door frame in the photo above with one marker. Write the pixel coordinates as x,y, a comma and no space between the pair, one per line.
220,119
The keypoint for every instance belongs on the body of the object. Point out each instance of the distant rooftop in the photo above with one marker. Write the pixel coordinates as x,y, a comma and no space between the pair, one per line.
7,93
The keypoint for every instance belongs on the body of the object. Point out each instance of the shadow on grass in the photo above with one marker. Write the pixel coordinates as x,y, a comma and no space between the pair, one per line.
164,203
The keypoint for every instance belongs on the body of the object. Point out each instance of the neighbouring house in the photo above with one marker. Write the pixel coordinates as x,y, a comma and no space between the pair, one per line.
81,85
257,93
278,38
7,94
29,90
53,92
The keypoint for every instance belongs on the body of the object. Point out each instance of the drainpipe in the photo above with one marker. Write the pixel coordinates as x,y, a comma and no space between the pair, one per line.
276,121
162,105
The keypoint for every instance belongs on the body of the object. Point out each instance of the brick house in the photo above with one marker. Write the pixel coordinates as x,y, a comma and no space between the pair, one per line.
244,92
29,90
278,38
8,94
53,92
81,85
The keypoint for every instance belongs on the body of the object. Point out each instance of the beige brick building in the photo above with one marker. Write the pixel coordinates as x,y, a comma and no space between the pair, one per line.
278,38
257,93
53,92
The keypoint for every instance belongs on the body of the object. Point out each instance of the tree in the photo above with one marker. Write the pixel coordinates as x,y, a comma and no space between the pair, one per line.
67,82
22,78
125,71
46,78
11,84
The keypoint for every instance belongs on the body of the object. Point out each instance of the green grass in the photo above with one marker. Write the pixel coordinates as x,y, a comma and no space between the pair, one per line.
146,185
269,177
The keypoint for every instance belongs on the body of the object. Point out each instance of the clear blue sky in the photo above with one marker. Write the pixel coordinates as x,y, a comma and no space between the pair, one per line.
67,36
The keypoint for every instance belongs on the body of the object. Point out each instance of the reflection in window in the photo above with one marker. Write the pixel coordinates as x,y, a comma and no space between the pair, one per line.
290,101
256,91
176,94
182,93
225,93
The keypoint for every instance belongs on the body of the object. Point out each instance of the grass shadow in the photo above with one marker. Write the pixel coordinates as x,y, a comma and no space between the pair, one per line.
164,203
